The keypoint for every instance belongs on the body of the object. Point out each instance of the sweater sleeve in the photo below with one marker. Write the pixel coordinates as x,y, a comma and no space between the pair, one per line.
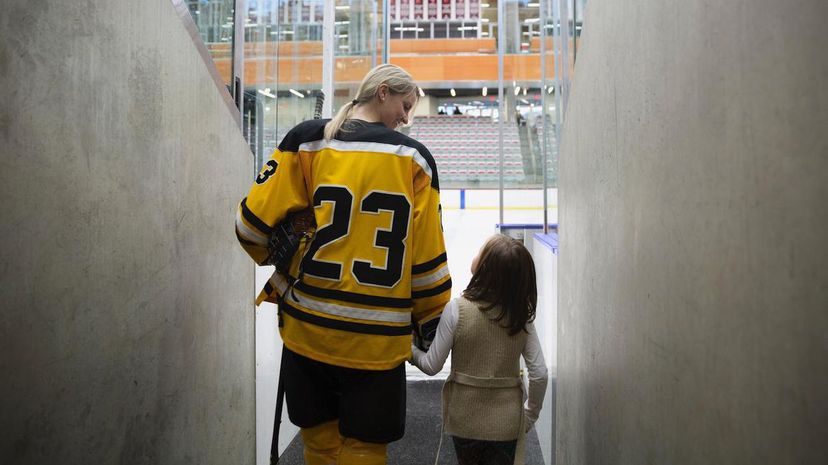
538,375
432,362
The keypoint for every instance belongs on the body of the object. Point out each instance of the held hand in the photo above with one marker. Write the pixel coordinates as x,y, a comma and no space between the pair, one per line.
415,353
528,421
425,332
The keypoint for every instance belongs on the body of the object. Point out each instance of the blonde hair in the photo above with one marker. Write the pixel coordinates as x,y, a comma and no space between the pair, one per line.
398,81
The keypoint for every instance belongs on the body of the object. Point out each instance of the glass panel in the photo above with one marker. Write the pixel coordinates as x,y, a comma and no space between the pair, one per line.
359,39
561,52
440,29
299,68
522,155
214,20
283,40
549,119
455,118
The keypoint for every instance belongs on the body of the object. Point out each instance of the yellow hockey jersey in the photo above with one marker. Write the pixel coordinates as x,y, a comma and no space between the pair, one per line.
376,266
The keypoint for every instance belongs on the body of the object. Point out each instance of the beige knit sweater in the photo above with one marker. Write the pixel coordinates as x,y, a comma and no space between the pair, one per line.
483,397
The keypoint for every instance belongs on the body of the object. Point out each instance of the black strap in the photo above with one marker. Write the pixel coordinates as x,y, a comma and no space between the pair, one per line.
277,420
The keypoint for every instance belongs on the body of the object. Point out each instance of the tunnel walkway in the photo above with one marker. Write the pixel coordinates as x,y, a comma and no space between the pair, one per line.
422,433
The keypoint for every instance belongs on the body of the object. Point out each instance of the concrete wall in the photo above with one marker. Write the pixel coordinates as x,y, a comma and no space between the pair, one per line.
694,180
126,333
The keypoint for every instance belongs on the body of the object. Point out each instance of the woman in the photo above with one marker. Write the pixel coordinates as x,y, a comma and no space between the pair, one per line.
374,271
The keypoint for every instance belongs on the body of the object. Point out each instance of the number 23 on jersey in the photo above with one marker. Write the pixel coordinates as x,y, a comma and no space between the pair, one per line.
391,239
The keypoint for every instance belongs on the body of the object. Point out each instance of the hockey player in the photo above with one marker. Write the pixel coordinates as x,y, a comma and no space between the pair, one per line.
374,271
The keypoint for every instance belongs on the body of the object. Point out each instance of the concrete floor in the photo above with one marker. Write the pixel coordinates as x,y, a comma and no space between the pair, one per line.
422,433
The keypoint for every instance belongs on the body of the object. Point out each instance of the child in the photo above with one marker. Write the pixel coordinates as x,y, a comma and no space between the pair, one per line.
487,330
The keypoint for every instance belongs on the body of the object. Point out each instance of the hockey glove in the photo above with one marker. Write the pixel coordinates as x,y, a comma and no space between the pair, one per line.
286,237
424,333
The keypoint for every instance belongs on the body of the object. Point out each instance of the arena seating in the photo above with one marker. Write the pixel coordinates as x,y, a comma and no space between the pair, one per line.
466,148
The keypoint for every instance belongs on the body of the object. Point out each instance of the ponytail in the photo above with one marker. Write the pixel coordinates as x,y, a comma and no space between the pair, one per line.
335,124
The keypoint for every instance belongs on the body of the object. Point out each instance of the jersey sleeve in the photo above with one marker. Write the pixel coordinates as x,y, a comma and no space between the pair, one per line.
430,279
278,190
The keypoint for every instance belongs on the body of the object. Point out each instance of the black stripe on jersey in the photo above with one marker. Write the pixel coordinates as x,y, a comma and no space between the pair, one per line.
254,220
358,131
268,288
429,265
433,291
243,240
351,326
306,131
353,297
377,132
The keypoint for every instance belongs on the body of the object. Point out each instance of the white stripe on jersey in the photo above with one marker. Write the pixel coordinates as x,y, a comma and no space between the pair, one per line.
430,278
355,146
350,312
278,282
249,234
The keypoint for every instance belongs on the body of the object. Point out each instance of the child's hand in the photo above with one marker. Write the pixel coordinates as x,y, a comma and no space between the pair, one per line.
414,350
528,421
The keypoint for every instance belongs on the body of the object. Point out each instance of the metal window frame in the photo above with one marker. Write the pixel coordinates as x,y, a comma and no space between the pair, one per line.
545,139
328,45
386,26
239,15
501,104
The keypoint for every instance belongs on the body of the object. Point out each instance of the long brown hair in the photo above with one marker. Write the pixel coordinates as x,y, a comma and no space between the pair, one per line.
505,277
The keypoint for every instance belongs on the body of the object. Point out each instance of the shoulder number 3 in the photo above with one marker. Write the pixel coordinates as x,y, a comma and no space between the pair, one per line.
392,240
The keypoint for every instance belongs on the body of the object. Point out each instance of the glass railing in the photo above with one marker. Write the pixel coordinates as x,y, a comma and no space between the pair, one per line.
215,22
358,45
449,46
282,69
